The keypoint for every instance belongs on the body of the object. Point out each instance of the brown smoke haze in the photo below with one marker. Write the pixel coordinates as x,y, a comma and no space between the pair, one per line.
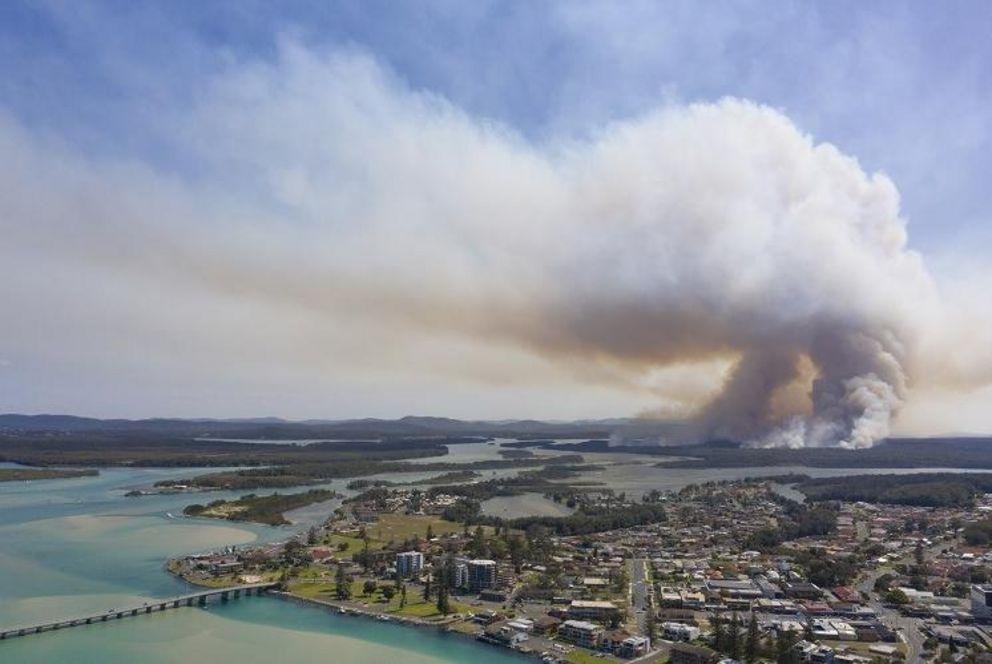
713,256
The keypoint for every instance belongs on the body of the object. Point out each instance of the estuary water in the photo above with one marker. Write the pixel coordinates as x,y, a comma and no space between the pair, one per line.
76,546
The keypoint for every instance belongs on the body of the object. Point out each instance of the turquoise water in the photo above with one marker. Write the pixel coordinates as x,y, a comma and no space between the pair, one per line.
78,546
72,547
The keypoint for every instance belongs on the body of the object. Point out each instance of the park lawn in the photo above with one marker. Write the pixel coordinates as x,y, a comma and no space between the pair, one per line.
422,609
219,581
315,572
419,609
314,590
578,656
267,576
354,544
399,527
465,627
415,607
328,590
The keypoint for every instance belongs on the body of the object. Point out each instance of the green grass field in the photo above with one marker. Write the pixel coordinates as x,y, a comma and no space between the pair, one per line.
354,545
578,656
415,604
392,528
399,527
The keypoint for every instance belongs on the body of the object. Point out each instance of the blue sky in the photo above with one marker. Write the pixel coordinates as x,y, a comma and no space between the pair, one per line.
211,208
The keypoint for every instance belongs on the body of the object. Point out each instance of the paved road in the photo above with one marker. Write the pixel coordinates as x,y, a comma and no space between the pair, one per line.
908,627
640,588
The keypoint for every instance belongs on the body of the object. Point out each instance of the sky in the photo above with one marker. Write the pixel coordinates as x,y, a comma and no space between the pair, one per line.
349,209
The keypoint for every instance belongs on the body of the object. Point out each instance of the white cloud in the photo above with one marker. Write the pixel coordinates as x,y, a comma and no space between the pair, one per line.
343,230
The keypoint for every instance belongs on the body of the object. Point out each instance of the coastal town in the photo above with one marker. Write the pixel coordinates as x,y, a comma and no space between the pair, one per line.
734,571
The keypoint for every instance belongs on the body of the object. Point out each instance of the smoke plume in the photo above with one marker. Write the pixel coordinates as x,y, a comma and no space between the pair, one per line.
379,221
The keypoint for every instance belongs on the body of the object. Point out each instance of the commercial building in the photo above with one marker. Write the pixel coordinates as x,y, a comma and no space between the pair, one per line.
746,589
981,601
591,610
409,563
581,633
481,574
634,646
504,634
674,631
459,573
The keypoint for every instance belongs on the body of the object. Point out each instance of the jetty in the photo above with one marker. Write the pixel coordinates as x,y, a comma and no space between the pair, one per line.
153,606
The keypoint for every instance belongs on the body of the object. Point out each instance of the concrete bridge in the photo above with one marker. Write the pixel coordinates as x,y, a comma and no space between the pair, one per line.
153,606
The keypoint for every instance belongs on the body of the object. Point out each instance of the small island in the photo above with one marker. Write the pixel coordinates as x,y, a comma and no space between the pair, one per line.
260,509
24,474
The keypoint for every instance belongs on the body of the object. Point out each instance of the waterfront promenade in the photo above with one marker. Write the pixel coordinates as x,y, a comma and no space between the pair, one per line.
199,598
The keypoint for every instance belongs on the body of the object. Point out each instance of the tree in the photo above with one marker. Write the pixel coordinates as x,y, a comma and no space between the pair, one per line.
292,549
388,592
312,536
719,633
651,625
882,583
364,536
734,637
430,532
416,500
617,618
427,589
342,584
517,548
479,548
784,642
753,643
368,587
896,596
402,595
443,603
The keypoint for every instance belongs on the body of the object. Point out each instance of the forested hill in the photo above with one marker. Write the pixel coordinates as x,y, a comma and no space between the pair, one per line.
277,429
922,489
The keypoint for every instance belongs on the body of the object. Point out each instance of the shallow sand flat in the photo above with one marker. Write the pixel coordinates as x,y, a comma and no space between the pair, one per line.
32,610
250,630
85,549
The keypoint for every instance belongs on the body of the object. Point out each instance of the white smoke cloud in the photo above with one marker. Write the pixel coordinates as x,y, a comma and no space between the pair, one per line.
382,221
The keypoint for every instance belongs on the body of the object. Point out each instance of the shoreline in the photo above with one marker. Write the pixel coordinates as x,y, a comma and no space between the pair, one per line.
345,609
407,621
